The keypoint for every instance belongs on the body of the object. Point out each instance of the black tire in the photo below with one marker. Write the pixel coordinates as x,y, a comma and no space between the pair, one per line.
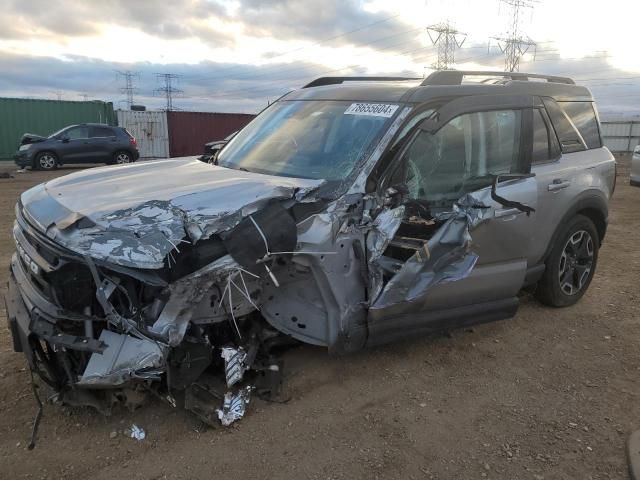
122,157
571,264
46,161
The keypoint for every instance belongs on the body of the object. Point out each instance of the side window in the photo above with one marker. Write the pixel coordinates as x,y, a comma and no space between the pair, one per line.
463,155
570,139
77,133
101,132
583,117
545,143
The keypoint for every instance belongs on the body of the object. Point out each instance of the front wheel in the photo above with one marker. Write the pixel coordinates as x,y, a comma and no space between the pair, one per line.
46,161
122,158
571,264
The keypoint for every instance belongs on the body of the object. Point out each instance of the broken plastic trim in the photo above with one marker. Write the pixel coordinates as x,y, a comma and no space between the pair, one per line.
234,406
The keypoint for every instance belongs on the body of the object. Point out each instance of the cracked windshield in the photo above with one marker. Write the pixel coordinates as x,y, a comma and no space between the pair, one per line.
308,139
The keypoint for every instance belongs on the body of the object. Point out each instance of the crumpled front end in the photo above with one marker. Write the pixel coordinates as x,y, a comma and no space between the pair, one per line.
184,298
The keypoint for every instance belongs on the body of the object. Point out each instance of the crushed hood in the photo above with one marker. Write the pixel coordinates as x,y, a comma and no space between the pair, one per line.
134,215
28,138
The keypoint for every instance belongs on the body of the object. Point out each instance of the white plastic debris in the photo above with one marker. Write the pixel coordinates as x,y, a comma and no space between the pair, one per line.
136,432
234,364
234,406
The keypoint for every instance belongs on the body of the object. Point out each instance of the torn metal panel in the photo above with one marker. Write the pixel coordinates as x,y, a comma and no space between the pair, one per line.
383,229
445,257
124,358
320,297
209,295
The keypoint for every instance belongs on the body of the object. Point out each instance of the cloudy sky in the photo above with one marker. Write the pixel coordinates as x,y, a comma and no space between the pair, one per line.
236,55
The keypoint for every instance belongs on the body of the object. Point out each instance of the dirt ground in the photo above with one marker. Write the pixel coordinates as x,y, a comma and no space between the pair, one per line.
550,394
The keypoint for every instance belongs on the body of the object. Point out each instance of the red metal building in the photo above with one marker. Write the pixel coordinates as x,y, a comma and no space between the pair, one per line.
189,131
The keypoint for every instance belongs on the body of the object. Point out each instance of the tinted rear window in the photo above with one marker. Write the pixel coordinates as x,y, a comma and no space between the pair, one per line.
583,117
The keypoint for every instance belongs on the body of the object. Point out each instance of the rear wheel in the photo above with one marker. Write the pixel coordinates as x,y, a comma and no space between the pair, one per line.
122,158
571,264
46,161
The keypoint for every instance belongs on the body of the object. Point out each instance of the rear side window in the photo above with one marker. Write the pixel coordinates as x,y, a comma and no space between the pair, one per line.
583,117
101,132
570,139
545,143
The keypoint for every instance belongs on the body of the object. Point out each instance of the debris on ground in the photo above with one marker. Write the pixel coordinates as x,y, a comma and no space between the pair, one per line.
135,432
234,406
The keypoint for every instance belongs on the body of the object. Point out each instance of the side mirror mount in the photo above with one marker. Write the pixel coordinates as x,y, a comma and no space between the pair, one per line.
64,139
394,195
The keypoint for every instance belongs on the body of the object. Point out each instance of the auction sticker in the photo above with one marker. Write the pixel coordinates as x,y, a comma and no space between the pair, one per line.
372,109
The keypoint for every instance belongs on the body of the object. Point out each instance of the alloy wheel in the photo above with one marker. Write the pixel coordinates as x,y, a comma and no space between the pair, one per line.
123,158
576,262
47,161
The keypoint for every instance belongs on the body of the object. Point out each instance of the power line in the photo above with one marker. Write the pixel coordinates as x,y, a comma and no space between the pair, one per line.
128,88
514,45
168,90
448,40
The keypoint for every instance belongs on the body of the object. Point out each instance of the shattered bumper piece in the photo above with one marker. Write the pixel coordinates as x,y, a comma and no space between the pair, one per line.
234,364
234,406
124,358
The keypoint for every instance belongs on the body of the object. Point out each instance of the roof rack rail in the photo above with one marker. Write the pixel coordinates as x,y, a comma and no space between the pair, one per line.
454,77
322,81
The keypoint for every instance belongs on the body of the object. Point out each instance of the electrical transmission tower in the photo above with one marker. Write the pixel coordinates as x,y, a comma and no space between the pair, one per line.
169,91
514,45
128,88
448,40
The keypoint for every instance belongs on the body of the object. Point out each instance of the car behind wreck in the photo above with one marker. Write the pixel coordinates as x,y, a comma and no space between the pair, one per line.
350,213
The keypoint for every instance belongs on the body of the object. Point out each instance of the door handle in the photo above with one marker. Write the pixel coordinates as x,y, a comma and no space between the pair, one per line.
558,184
507,212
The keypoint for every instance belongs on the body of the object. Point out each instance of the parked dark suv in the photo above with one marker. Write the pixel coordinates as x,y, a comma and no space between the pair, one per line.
84,143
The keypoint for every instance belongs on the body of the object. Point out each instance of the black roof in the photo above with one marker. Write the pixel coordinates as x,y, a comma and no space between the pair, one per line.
449,83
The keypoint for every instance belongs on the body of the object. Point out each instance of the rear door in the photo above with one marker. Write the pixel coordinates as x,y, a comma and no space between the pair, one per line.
103,143
474,145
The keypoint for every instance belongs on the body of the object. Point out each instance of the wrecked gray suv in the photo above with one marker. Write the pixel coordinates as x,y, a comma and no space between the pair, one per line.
350,213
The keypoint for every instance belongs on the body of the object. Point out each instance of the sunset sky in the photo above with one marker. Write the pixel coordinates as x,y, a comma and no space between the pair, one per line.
238,55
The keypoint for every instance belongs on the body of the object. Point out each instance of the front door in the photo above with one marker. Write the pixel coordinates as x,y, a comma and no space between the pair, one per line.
75,146
472,269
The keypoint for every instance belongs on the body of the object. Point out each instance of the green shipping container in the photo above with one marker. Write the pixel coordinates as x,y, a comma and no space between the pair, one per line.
44,117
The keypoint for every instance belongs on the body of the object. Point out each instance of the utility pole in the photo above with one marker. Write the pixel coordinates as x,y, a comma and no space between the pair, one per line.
168,90
57,93
514,45
448,40
128,88
84,96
